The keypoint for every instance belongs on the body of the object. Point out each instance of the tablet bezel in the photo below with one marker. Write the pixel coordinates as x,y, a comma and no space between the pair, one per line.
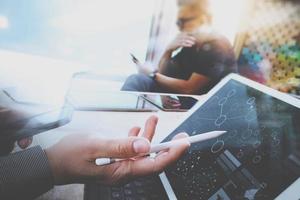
146,97
288,192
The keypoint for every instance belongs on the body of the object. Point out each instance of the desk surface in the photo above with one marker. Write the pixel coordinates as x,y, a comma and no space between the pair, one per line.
107,125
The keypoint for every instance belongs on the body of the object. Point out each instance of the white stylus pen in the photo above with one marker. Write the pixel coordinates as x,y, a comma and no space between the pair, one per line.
166,145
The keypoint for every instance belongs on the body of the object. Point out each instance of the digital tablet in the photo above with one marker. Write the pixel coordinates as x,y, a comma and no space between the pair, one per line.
110,101
171,102
24,119
257,159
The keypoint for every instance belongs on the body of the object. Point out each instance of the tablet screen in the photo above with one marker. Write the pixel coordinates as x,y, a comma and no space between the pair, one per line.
258,157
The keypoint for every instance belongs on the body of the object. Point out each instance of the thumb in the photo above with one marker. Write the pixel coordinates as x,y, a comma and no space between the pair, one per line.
121,148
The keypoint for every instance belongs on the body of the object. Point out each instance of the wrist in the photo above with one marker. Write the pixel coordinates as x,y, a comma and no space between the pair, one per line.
152,75
169,52
53,166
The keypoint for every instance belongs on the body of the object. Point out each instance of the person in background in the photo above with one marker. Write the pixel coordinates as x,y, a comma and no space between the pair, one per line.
29,173
203,59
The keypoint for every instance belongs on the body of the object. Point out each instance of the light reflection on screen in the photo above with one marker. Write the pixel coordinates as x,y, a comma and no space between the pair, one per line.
255,159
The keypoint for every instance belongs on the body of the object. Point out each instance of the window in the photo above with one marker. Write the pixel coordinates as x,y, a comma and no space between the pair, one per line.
97,33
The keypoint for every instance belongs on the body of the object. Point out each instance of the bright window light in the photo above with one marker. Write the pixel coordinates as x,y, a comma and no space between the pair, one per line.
84,17
227,15
98,33
3,22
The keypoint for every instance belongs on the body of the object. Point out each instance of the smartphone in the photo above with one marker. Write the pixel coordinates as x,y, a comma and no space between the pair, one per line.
171,103
134,59
25,119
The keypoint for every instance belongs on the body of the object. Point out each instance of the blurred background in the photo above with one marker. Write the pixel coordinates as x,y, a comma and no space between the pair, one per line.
40,40
43,43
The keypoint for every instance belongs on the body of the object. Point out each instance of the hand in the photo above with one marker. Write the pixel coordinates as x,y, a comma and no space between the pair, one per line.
181,40
170,102
72,160
144,68
24,143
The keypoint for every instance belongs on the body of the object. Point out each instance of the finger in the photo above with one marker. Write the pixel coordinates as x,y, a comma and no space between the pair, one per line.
180,136
134,131
174,101
188,37
176,106
147,165
119,148
191,38
172,155
176,137
188,42
186,45
24,143
165,158
150,127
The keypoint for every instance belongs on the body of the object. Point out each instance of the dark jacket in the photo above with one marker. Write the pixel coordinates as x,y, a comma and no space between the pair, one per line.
25,175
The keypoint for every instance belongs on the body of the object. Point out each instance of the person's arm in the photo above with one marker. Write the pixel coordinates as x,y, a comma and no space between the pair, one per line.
72,160
28,174
181,40
180,86
25,174
164,60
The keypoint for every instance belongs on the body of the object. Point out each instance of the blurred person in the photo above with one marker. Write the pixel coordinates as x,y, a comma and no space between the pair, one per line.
29,173
203,59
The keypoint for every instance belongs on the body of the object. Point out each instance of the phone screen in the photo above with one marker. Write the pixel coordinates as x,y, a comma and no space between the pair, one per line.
171,102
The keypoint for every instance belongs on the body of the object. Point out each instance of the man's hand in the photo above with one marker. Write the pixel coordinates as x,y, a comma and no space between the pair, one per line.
181,40
73,159
144,68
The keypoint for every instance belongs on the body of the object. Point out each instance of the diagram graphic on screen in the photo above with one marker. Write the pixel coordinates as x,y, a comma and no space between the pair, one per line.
245,163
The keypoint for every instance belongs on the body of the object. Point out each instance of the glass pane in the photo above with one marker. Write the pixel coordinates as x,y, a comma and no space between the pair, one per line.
97,33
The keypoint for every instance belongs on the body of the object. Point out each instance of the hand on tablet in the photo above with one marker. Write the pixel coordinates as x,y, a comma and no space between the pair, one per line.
72,160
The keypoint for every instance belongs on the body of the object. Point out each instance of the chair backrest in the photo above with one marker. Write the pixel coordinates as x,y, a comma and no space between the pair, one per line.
270,50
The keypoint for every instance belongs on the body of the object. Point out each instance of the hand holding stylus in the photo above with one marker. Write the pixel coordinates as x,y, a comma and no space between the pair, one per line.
72,160
167,145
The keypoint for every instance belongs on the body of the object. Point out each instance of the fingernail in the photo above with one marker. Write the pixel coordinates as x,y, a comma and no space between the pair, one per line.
185,134
141,146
